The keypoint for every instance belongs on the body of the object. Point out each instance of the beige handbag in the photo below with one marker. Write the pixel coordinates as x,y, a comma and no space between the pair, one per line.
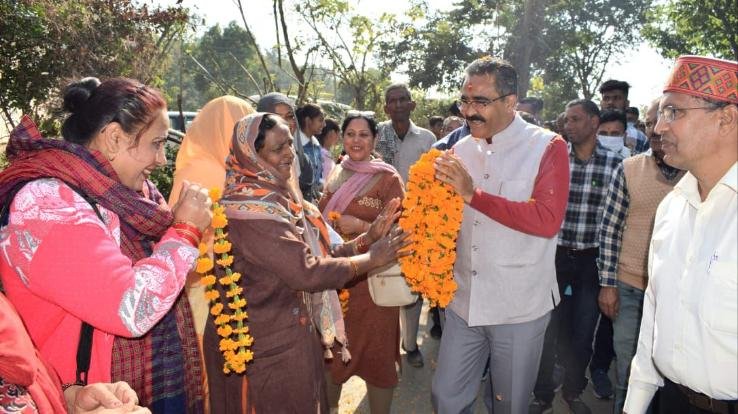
387,286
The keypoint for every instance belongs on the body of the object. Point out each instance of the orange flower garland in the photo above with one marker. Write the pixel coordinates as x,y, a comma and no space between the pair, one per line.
235,336
343,294
432,213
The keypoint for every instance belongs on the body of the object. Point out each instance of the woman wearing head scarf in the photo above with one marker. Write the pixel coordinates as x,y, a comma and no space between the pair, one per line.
358,189
201,159
281,247
89,243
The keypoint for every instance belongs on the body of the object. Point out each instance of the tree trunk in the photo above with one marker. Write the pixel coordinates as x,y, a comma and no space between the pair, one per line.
520,47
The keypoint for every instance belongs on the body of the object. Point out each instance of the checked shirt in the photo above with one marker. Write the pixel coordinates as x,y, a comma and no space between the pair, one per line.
613,223
589,182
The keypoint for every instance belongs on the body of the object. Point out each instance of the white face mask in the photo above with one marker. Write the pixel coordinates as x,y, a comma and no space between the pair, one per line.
611,143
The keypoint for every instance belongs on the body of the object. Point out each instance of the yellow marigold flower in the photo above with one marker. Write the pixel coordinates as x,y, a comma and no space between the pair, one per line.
207,280
202,248
216,309
212,295
215,194
334,216
222,246
245,340
204,264
219,221
225,345
225,280
225,331
227,261
235,291
239,316
237,304
235,276
222,318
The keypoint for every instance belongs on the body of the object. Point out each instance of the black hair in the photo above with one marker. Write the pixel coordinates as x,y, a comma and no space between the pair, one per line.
615,85
633,111
330,125
435,120
309,110
529,118
359,115
506,78
454,109
589,107
268,122
536,103
92,105
611,115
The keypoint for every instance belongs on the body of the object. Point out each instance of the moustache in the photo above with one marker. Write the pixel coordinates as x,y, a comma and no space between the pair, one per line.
475,118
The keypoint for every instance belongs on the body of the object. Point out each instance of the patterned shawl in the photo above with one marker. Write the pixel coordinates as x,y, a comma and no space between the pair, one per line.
254,190
163,367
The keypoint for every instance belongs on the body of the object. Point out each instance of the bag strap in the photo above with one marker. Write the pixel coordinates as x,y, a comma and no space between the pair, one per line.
84,346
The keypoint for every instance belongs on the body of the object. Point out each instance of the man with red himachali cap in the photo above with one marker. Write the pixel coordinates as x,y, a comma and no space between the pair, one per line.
688,341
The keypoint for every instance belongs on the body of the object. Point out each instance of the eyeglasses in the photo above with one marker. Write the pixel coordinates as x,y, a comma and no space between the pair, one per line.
478,104
669,112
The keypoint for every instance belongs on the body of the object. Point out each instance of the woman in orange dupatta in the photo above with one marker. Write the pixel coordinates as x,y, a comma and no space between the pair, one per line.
201,159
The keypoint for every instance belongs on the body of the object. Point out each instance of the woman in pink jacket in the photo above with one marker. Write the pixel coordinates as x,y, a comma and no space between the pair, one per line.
88,240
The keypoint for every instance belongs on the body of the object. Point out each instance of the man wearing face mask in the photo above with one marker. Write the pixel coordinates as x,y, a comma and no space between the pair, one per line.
638,186
614,95
611,132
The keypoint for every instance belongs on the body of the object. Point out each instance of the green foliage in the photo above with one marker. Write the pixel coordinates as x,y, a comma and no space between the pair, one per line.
695,27
553,39
45,43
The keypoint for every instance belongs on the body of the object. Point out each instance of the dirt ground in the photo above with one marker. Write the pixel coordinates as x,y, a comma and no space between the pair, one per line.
412,395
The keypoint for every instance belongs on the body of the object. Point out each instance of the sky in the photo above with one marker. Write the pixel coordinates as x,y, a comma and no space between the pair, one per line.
642,67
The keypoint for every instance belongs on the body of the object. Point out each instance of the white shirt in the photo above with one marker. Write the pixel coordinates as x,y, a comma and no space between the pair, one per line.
689,330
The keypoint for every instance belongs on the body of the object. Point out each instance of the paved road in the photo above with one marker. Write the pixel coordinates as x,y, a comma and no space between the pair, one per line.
412,395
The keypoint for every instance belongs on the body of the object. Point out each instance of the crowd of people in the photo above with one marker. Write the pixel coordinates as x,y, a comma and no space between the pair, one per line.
592,238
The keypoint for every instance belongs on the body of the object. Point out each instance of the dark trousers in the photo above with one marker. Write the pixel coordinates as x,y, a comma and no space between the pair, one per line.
569,335
672,400
603,346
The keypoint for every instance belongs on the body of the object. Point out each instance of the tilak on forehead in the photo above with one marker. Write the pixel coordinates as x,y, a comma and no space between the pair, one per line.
705,77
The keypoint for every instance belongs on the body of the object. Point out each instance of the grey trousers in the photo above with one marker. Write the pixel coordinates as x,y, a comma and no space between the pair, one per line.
409,322
514,351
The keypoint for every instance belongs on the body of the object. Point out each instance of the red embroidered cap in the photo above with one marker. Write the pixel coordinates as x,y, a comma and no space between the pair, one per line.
705,77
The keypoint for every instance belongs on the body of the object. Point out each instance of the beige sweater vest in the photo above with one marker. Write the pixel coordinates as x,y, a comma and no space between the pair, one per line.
646,186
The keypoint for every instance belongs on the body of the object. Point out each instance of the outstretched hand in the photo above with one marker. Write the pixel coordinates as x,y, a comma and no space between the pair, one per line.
383,223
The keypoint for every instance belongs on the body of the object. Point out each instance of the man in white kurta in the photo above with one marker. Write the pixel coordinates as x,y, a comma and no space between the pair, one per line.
688,342
514,180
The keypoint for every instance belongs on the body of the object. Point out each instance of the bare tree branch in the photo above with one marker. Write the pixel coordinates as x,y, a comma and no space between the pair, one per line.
256,46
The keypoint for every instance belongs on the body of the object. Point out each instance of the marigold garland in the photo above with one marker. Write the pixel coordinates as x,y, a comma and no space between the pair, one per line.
431,213
235,339
343,294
